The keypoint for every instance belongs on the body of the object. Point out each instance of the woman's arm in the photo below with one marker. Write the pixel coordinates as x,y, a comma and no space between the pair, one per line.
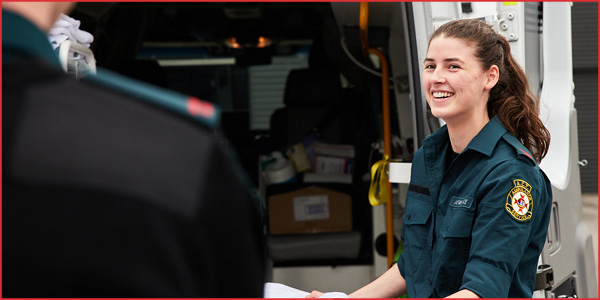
464,294
389,285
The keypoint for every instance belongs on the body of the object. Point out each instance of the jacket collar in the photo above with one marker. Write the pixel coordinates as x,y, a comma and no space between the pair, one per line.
21,38
484,142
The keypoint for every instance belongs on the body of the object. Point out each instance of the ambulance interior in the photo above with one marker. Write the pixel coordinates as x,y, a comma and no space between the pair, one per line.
293,78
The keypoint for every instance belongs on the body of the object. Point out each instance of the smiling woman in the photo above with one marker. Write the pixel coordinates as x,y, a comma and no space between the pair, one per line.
458,242
485,155
457,88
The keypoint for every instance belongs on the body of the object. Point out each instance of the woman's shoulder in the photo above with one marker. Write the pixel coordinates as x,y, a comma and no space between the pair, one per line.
510,148
511,158
513,161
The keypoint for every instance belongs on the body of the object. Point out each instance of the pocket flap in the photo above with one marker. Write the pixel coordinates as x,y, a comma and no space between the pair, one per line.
417,212
459,225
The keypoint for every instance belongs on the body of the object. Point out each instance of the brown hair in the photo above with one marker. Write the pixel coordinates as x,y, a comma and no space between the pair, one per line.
510,99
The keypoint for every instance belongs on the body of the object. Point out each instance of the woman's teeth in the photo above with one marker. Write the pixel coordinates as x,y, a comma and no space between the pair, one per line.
442,94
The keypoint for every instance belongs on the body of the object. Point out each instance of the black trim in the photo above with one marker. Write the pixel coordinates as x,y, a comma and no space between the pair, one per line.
415,188
412,42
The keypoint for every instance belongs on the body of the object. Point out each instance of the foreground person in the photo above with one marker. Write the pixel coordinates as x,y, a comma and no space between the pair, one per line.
106,194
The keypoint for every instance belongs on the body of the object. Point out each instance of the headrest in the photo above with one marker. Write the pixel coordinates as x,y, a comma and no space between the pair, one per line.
313,87
317,57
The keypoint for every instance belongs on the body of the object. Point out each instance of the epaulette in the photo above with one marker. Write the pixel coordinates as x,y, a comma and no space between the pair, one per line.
191,107
521,150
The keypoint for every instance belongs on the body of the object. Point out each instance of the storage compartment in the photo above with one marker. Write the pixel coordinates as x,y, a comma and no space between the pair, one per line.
313,224
343,245
311,209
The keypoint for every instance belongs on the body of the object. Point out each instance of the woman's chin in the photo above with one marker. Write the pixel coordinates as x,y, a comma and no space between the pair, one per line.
439,113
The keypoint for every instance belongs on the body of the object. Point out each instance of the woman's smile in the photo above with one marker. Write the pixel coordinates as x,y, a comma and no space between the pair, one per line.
441,96
456,85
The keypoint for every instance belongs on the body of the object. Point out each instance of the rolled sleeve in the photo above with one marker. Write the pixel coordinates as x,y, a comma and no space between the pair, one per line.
478,277
400,264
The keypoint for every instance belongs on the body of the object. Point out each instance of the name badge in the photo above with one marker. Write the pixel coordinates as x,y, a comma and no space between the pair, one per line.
462,202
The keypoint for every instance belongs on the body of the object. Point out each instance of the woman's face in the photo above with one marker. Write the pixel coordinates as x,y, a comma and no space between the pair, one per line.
456,87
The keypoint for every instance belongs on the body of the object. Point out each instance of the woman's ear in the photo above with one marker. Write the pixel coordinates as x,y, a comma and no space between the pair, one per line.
493,74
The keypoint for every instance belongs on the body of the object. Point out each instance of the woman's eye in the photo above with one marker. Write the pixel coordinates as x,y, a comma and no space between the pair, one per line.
454,67
429,67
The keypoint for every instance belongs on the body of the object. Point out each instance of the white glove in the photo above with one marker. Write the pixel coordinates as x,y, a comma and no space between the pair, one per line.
67,28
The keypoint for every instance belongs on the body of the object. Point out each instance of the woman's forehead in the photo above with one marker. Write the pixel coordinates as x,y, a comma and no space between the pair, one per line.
449,47
455,40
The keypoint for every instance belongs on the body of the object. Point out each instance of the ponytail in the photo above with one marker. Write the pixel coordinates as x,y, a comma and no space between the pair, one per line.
516,106
511,98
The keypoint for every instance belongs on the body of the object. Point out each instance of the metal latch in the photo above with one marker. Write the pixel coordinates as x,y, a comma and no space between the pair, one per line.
505,24
545,278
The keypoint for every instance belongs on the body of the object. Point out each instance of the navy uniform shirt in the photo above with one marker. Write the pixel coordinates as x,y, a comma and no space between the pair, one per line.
479,224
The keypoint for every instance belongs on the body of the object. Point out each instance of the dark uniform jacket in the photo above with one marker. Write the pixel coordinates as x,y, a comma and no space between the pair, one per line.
105,194
477,223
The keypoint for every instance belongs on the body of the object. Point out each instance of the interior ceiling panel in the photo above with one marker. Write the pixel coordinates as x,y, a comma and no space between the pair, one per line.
214,21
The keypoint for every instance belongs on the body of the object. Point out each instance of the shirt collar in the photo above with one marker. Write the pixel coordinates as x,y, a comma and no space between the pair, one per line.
20,37
485,141
487,138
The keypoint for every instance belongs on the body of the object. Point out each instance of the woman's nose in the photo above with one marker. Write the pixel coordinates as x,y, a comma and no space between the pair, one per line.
438,76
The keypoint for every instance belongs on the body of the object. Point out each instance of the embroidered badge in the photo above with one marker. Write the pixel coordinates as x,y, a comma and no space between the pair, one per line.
464,202
519,202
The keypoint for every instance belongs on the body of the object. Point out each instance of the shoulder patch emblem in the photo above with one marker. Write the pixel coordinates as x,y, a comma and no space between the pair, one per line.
519,203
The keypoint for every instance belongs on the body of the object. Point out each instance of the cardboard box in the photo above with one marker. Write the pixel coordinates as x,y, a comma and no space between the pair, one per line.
310,210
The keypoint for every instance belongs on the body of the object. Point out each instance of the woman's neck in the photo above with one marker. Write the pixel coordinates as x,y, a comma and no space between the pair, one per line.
462,132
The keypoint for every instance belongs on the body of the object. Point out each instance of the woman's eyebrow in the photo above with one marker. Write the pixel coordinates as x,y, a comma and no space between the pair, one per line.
451,59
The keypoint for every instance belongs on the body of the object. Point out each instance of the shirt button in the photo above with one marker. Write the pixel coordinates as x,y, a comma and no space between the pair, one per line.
429,282
408,217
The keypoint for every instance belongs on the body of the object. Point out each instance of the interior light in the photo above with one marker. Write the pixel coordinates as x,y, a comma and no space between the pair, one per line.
232,43
262,42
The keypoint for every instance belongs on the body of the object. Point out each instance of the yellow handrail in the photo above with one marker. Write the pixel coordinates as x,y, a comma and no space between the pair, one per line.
387,144
363,24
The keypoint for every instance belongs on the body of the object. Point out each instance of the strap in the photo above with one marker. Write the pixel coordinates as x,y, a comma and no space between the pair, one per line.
325,121
378,191
329,116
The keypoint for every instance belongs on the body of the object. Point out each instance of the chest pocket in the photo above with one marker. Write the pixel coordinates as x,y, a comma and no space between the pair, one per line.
453,248
459,223
416,230
459,218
